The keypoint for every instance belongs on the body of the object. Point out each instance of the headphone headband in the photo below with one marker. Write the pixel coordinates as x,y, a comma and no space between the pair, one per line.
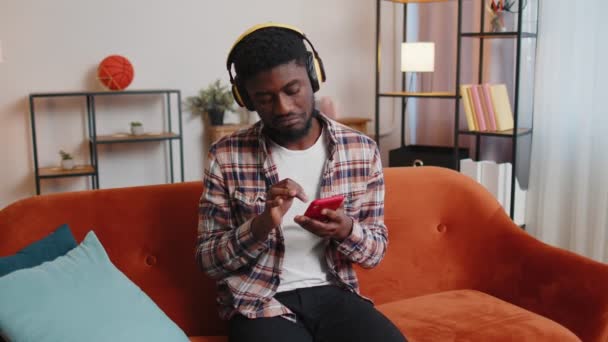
316,71
259,27
269,25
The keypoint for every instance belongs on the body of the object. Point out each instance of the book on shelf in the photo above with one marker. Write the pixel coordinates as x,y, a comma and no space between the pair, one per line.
487,107
502,107
471,168
520,204
496,178
477,109
506,173
468,107
491,180
484,109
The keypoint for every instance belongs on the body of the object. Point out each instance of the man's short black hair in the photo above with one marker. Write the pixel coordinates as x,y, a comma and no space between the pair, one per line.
265,49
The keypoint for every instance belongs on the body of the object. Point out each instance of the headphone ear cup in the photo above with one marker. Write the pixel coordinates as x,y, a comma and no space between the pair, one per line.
240,95
311,69
237,96
319,69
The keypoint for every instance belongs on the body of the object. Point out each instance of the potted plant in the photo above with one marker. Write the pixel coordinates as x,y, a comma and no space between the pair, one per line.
137,128
67,161
214,100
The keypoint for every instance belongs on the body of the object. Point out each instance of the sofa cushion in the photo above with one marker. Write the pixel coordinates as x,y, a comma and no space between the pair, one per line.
50,247
467,315
81,296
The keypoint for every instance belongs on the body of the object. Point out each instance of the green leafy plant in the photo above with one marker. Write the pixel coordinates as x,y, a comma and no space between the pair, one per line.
135,123
215,98
65,156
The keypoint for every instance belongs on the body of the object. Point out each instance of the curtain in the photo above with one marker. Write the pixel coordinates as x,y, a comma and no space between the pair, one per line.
568,194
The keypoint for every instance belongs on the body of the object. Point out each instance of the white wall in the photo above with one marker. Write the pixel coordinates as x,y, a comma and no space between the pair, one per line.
52,46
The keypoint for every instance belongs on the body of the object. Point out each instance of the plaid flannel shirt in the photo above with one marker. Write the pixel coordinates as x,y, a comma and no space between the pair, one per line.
238,173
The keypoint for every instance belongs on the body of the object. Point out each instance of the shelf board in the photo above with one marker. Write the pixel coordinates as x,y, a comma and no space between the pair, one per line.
353,121
228,127
506,134
432,95
57,172
129,138
108,92
418,1
492,35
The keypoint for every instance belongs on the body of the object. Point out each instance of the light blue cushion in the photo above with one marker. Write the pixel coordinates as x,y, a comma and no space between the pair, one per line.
81,296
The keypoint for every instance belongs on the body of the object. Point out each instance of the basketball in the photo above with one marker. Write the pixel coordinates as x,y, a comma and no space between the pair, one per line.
115,72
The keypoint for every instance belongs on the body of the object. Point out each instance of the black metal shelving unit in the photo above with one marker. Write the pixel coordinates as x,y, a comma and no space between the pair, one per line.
519,135
403,94
92,170
520,168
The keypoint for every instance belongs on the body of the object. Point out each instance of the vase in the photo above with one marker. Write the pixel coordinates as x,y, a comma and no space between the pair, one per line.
216,117
67,164
137,130
502,21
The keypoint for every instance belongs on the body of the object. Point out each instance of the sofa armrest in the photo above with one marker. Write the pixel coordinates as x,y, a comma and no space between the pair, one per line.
563,286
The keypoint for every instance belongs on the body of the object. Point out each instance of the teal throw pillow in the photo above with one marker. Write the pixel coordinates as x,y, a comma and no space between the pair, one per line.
55,244
81,296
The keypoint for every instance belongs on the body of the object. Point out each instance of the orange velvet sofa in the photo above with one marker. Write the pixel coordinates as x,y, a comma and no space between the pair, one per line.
457,268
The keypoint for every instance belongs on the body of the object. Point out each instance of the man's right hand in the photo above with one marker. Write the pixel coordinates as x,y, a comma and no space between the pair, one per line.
278,201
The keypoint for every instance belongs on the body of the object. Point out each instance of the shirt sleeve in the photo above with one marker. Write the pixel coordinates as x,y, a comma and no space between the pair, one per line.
222,248
367,242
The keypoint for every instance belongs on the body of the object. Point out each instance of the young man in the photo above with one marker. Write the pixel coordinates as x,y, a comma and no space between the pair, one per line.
282,276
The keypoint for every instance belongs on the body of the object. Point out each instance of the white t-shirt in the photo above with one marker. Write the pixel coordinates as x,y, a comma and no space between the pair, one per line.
304,262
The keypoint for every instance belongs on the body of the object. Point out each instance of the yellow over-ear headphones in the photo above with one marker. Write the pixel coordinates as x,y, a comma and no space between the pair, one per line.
314,65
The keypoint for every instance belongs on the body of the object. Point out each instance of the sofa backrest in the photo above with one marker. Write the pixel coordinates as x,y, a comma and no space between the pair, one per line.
437,220
149,233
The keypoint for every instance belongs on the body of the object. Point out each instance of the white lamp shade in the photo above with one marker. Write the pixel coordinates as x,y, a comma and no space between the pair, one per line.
418,57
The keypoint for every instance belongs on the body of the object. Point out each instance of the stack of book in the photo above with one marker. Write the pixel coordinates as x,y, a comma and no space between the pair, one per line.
496,178
487,107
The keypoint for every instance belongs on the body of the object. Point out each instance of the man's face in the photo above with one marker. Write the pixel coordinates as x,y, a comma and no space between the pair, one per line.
283,98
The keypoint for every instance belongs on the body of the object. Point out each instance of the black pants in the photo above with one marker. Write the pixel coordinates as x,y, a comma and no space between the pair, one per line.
324,314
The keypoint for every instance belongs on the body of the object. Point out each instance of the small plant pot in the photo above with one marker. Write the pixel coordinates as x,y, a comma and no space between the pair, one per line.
67,164
137,130
216,118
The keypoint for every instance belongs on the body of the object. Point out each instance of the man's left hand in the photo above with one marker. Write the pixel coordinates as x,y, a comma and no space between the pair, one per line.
338,225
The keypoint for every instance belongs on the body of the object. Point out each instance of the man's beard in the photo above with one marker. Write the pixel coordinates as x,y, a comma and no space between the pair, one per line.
292,135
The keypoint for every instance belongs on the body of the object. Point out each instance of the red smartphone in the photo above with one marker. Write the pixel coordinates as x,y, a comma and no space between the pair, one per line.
316,206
